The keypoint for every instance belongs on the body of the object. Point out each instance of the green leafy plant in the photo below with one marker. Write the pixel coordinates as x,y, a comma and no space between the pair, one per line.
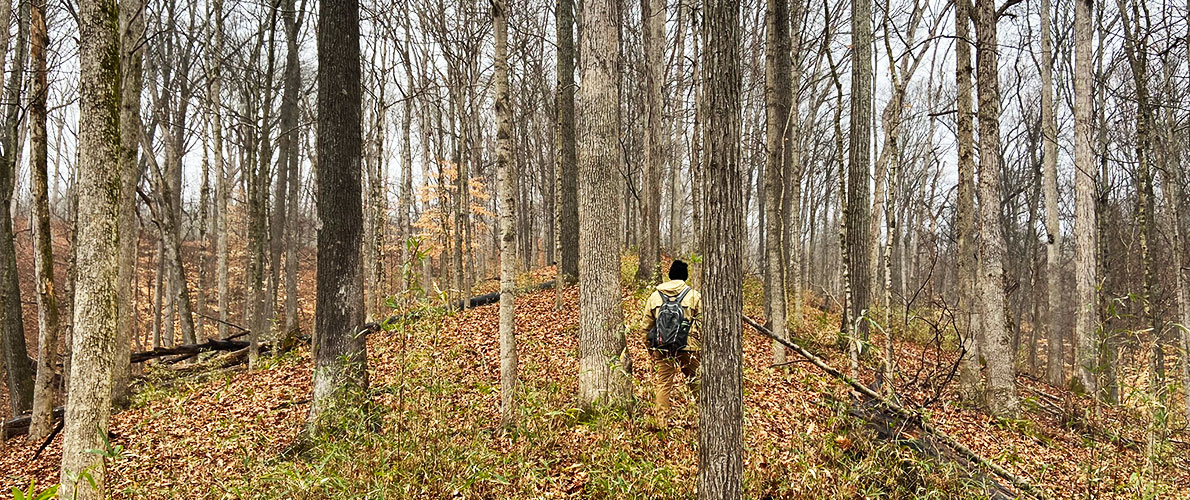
31,492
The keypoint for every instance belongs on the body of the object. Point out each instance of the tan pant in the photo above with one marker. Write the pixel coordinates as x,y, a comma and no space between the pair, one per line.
669,366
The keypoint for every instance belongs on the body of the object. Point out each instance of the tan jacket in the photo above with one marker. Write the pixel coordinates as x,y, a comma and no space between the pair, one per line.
691,307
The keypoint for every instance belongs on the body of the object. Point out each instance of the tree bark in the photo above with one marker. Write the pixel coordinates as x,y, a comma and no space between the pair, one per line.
604,364
1055,364
340,354
970,380
285,196
132,29
567,160
1002,399
507,194
778,143
293,83
18,369
96,310
720,401
791,205
859,208
44,390
652,13
222,189
1085,266
1136,52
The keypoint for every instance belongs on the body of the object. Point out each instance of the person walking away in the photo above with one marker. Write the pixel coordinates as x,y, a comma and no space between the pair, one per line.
671,321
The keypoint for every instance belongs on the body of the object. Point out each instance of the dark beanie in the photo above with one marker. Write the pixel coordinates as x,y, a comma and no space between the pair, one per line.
678,271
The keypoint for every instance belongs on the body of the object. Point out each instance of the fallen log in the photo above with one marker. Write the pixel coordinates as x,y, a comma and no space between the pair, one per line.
188,349
458,305
494,297
875,398
19,425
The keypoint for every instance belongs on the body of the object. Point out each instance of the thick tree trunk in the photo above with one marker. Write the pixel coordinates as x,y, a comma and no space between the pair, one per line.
507,194
340,354
721,395
1002,399
47,298
970,380
1085,267
778,144
1055,364
604,364
96,311
18,369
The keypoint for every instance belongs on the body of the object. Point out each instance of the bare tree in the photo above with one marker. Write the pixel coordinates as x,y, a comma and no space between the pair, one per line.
1085,265
604,363
340,354
970,382
721,394
132,35
997,348
508,229
859,157
652,14
44,388
96,311
566,170
12,328
1055,365
779,142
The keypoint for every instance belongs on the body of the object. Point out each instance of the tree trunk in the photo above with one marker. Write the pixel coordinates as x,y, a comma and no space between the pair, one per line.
47,298
778,143
859,217
1053,244
256,293
12,327
96,311
1002,399
285,197
604,365
340,353
721,396
158,296
567,189
507,194
652,14
1136,51
1085,266
791,205
222,189
132,22
970,382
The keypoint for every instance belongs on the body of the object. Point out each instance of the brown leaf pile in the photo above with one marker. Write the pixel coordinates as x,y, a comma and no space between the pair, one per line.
210,436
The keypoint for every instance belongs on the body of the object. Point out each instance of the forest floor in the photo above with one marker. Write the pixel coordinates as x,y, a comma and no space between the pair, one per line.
433,431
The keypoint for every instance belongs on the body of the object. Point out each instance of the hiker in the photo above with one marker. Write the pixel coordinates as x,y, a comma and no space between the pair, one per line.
671,320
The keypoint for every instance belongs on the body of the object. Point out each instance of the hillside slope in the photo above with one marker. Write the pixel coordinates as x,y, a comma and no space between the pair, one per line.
432,433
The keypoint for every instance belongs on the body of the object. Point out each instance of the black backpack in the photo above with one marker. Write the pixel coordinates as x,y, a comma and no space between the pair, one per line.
671,330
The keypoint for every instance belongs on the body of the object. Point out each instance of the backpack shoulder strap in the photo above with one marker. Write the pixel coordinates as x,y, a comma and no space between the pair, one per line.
682,296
